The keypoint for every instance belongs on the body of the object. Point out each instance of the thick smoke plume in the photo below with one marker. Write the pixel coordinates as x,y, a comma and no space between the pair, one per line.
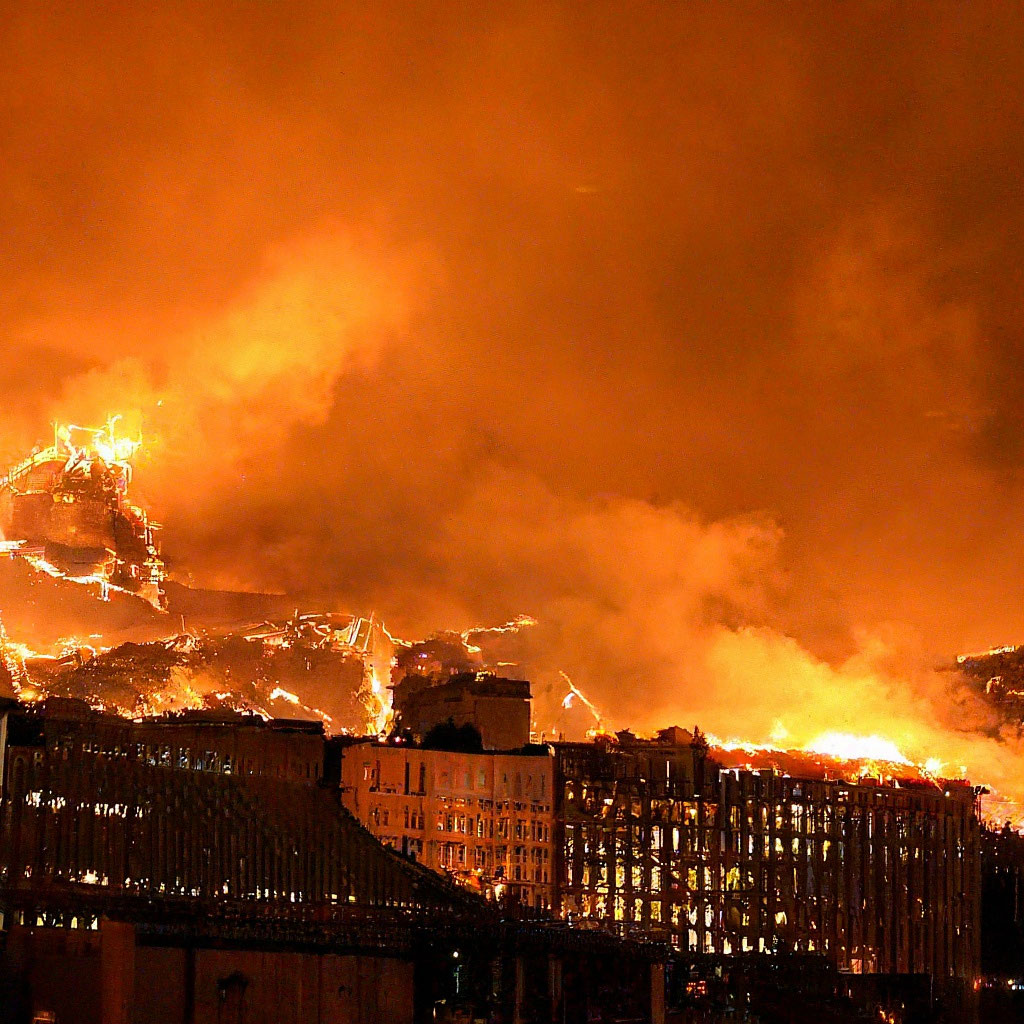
661,618
213,402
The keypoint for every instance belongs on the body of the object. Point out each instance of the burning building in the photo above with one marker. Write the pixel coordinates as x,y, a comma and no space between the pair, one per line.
67,508
873,866
713,852
726,854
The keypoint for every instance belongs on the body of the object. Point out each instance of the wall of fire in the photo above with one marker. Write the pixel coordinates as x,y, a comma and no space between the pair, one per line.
877,878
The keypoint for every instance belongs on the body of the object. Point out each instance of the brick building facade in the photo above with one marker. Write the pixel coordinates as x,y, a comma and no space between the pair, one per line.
485,818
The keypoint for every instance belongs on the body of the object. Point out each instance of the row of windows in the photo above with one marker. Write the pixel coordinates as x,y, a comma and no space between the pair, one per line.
515,863
601,843
372,775
381,816
171,756
516,785
531,830
750,876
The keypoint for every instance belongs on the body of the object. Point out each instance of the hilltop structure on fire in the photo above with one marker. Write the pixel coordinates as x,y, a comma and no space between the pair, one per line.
66,508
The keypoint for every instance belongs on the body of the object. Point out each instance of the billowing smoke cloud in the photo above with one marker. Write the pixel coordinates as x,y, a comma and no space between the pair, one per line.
224,395
693,332
662,618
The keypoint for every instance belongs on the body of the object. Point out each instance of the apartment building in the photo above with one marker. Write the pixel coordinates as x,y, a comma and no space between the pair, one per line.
486,818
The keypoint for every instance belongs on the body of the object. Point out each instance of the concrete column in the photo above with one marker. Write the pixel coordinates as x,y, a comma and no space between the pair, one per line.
3,743
657,993
519,1005
555,988
117,971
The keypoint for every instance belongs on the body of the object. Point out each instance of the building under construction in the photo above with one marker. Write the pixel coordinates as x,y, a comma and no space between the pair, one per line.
770,854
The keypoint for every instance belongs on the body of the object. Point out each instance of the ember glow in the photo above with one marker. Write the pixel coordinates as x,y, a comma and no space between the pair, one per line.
65,510
849,748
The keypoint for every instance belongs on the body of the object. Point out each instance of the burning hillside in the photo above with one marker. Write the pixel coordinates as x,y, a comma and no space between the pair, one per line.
998,675
91,615
311,667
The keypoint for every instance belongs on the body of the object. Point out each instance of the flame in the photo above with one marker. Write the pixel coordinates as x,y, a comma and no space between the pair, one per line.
575,693
377,703
98,461
745,745
516,625
839,754
103,443
850,747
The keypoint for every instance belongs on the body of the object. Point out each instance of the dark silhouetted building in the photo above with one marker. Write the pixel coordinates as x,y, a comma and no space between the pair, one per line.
498,708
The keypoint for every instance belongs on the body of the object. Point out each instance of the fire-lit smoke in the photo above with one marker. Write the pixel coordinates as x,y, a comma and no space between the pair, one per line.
692,333
664,619
217,400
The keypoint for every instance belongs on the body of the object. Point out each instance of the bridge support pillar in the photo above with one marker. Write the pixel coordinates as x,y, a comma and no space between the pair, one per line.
117,971
519,1006
657,993
555,987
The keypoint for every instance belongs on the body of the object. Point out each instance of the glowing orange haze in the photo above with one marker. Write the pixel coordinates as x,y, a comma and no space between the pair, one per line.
691,332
